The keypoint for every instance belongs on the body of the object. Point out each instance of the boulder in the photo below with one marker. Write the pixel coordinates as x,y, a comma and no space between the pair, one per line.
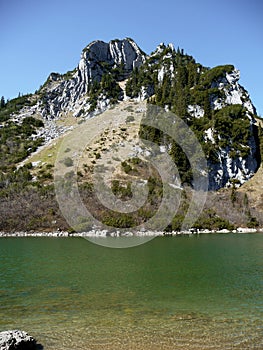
17,340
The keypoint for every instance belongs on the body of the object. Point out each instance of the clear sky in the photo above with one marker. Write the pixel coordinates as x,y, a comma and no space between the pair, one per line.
43,36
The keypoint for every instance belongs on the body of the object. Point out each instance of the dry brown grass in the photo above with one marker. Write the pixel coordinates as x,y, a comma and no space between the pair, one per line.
254,190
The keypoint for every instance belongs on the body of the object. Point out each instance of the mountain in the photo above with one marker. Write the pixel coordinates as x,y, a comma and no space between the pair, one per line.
209,100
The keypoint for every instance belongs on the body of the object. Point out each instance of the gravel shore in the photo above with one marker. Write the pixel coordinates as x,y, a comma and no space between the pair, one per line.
106,233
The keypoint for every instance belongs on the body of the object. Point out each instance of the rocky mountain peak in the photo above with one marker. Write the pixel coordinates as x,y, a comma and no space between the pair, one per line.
69,92
210,100
99,57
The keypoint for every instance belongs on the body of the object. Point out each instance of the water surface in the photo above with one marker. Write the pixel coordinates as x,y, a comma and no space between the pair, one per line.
197,292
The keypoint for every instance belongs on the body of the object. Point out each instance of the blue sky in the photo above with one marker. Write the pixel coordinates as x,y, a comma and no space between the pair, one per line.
40,37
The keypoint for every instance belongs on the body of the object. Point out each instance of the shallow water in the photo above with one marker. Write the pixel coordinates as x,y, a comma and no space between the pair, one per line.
197,292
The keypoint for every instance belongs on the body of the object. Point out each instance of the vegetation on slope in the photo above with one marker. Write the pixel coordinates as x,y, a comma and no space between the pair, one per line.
28,199
177,81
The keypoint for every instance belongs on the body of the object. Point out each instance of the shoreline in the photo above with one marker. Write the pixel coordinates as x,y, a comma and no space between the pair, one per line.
116,234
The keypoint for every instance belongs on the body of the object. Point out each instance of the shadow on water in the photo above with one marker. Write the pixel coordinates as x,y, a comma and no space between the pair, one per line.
28,346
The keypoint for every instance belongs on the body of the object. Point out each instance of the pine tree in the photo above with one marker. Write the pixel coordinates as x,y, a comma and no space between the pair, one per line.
182,163
158,95
166,87
192,74
207,105
2,103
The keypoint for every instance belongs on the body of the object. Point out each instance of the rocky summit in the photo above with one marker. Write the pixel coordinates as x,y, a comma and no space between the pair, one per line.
63,93
210,100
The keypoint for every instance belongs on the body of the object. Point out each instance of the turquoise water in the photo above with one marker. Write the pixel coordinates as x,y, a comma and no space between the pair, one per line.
197,292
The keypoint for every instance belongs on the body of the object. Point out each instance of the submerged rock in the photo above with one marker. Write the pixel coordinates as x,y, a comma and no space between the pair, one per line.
17,340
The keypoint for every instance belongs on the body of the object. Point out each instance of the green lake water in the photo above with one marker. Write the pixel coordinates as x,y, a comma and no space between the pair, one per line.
197,292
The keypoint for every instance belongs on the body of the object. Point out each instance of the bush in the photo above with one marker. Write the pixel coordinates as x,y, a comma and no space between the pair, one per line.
126,167
120,190
136,160
252,222
68,162
45,175
211,221
212,75
119,220
130,119
16,143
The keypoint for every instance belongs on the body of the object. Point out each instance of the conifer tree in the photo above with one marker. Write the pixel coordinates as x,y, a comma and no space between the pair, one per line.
192,74
166,86
207,106
2,103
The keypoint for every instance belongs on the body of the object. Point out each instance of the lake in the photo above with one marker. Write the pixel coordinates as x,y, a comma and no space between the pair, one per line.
184,292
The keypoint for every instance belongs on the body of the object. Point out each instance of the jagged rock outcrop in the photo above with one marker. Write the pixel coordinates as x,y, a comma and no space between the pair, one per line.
98,56
236,169
233,92
77,92
17,340
228,171
69,92
231,169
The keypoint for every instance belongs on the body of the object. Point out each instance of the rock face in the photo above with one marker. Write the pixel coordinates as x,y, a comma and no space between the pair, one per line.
238,168
227,170
17,340
233,92
75,93
63,93
100,55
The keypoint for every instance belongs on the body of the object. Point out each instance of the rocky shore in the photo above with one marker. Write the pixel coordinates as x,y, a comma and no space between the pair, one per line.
106,233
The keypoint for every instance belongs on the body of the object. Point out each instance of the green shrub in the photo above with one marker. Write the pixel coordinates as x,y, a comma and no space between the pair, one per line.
68,162
252,221
136,160
16,143
120,190
130,119
211,221
119,220
212,75
126,167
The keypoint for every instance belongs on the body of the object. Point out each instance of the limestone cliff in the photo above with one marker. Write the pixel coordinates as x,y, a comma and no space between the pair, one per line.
70,92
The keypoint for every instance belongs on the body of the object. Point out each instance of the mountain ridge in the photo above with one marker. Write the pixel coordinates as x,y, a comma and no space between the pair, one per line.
209,100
